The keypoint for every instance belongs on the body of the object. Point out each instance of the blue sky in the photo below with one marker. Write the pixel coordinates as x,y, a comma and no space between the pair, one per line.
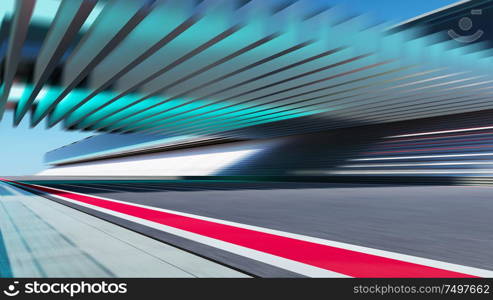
22,148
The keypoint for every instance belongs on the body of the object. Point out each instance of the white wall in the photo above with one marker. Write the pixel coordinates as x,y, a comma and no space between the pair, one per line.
190,162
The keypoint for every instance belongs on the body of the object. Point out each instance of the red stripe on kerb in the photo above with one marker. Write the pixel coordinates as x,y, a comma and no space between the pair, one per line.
352,263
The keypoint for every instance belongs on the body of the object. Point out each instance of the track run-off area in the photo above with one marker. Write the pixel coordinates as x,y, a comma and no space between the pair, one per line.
291,230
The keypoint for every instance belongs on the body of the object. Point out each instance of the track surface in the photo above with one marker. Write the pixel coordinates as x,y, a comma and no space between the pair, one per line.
446,223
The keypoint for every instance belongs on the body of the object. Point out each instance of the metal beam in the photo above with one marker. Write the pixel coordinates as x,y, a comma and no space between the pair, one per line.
18,32
66,24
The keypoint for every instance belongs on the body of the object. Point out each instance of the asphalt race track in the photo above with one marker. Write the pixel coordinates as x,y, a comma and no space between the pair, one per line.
444,223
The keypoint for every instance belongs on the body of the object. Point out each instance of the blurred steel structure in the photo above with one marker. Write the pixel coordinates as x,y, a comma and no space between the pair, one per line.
214,67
